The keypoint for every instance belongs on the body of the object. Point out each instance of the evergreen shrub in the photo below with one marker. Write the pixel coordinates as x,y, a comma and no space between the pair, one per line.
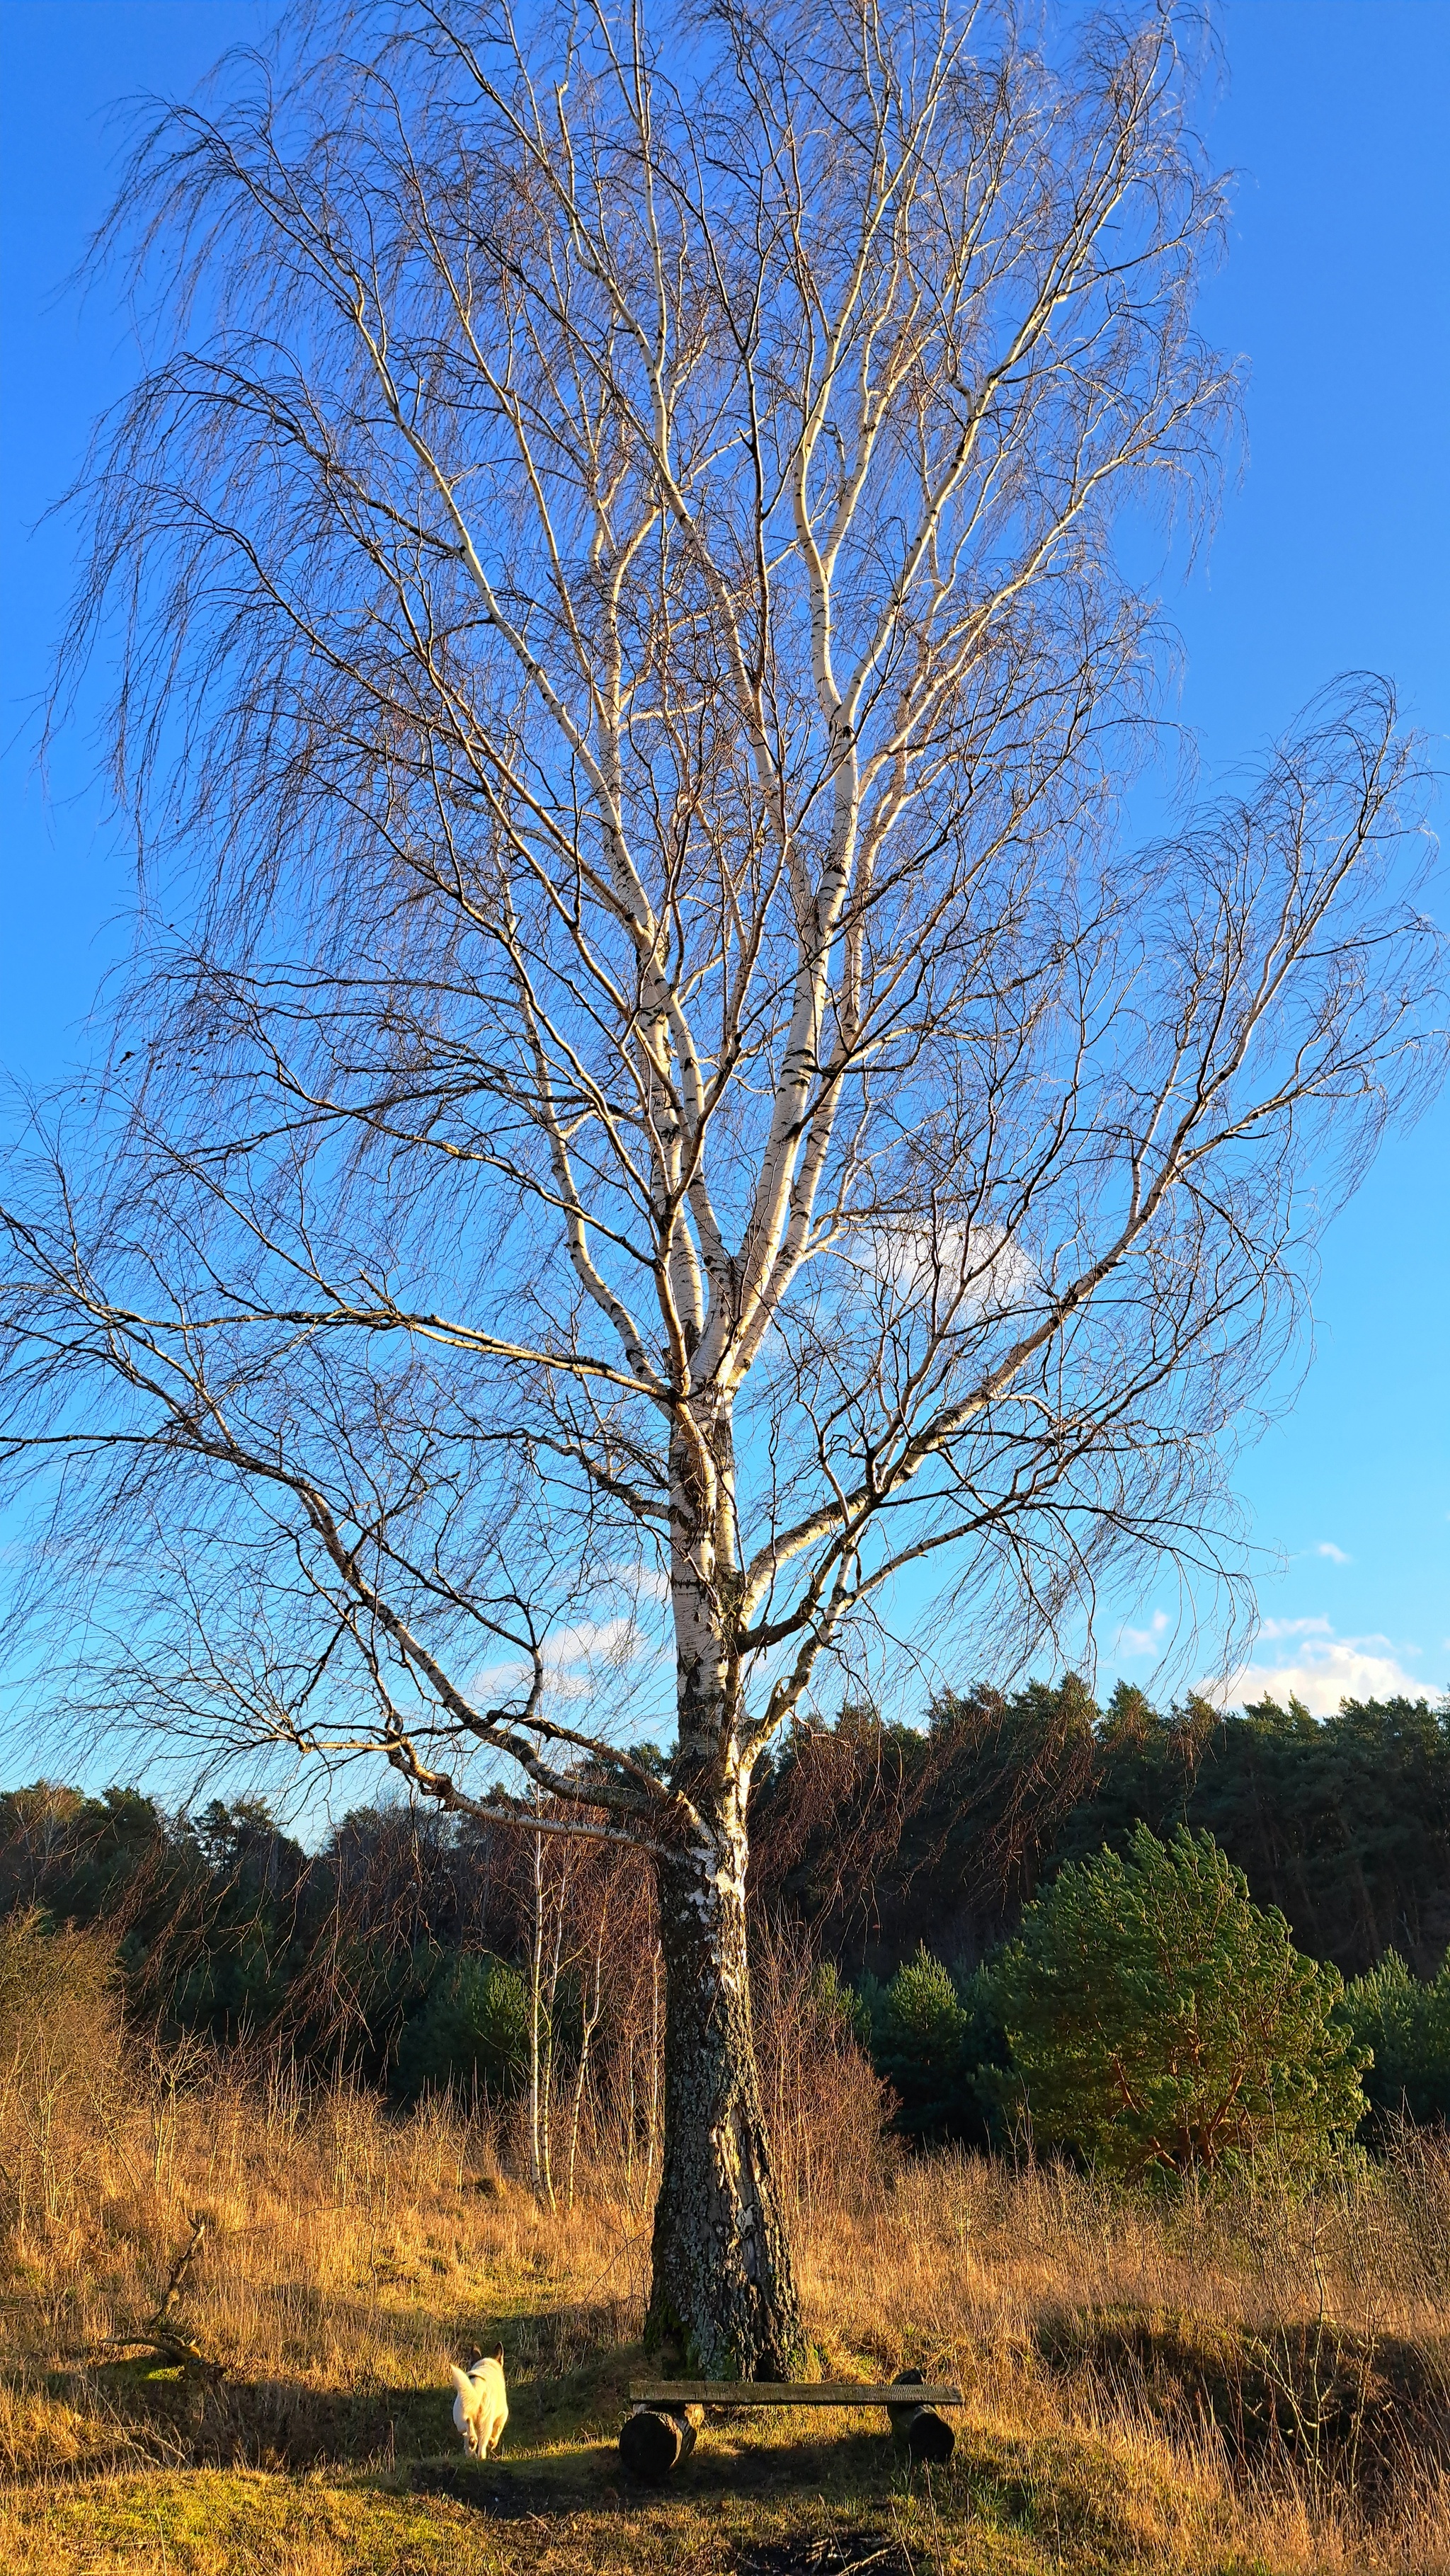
472,2033
1405,2022
1160,2021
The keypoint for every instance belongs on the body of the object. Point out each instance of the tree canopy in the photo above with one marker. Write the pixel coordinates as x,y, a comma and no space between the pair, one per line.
659,1090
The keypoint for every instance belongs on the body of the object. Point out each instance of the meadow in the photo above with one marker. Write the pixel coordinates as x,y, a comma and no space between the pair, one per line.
1234,2384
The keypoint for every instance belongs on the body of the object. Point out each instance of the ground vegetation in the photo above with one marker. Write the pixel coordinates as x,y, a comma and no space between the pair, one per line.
1217,2383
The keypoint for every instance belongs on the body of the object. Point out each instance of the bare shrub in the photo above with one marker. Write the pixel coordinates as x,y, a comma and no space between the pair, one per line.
60,2066
827,2108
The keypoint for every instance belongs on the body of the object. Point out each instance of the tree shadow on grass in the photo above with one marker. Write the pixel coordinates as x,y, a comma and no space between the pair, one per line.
590,2475
569,2375
181,2418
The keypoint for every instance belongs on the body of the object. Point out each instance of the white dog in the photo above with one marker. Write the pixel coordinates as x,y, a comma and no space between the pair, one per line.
481,2407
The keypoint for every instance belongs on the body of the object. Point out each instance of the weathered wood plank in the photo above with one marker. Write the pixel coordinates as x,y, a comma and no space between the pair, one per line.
806,2392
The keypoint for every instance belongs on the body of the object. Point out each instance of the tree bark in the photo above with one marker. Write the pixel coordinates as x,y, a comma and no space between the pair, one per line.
724,2287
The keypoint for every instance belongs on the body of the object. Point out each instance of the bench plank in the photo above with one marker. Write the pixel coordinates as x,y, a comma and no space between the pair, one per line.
805,2392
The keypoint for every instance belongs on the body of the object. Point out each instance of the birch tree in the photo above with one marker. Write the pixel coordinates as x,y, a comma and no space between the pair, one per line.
656,1085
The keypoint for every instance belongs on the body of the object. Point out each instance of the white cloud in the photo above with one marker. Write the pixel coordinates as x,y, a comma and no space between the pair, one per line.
1322,1669
1336,1555
575,1659
1144,1641
645,1582
981,1266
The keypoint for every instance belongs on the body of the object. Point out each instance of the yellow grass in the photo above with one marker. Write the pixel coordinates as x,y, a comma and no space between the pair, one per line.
1103,2344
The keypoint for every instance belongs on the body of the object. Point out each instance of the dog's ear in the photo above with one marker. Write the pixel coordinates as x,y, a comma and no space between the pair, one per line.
497,2353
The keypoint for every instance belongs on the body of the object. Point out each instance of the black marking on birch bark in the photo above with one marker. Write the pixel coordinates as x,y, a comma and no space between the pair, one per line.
723,2280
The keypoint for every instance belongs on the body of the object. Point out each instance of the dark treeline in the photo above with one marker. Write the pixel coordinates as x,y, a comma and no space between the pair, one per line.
885,1837
869,1841
227,1928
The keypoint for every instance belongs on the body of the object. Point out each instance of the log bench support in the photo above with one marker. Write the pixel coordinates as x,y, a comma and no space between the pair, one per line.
654,2440
667,2414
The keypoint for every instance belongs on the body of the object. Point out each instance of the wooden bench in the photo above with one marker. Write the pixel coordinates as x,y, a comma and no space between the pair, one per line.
667,2413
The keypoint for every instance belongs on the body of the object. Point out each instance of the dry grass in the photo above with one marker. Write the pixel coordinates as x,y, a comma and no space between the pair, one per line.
1234,2390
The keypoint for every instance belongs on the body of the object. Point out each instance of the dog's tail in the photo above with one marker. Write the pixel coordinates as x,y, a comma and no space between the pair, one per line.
462,2383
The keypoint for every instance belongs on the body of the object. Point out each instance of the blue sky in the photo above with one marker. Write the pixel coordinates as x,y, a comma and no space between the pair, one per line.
1333,553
